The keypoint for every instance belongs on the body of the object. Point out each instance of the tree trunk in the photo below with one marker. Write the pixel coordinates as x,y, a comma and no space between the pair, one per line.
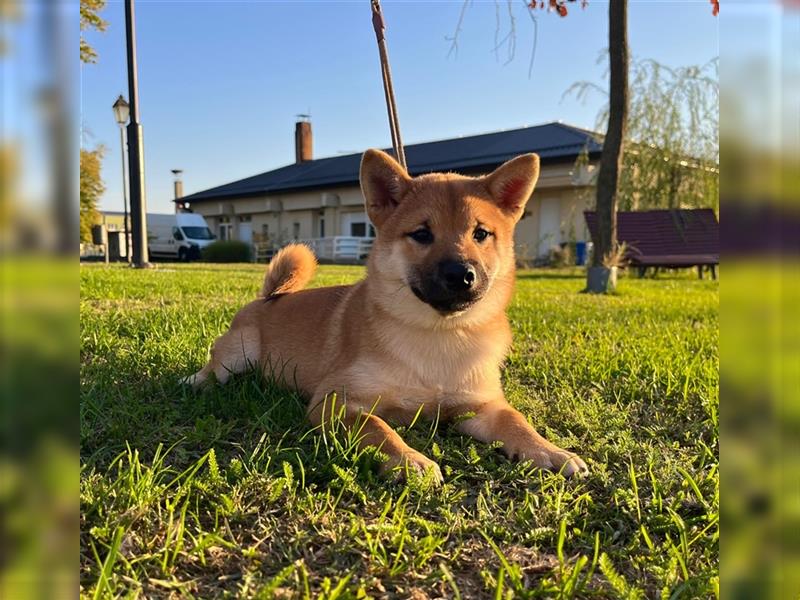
611,159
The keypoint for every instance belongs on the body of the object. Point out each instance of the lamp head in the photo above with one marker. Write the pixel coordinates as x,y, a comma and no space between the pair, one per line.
122,110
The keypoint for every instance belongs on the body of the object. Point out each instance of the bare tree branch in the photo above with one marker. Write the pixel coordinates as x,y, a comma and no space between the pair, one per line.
496,30
535,36
509,40
454,38
512,33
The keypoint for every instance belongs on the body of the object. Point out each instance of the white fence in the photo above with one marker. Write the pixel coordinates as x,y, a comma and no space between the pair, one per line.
263,252
340,247
92,251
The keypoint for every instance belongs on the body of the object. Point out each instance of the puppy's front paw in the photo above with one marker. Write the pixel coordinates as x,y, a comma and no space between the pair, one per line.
558,460
197,380
568,464
414,464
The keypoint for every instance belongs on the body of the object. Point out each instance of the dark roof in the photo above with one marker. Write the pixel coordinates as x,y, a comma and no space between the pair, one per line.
679,237
552,141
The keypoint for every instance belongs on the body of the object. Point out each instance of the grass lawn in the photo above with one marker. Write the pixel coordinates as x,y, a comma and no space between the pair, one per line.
227,492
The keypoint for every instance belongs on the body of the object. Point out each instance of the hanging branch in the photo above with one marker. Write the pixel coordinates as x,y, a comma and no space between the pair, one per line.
454,38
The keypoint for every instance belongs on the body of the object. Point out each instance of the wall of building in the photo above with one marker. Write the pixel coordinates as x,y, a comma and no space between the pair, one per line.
281,216
114,221
553,215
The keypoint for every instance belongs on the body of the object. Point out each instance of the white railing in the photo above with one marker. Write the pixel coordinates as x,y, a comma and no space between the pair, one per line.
340,247
263,252
92,251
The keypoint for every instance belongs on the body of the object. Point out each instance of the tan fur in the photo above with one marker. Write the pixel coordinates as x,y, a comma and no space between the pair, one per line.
290,270
379,352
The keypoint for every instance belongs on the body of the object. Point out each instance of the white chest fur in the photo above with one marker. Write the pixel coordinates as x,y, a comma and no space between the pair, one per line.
407,367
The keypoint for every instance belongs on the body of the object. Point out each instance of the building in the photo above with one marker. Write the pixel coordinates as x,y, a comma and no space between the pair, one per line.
108,238
319,200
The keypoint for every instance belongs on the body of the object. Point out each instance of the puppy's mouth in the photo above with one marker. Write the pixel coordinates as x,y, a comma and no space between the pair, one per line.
447,305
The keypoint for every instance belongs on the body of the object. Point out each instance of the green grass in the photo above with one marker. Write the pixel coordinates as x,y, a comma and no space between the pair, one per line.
227,493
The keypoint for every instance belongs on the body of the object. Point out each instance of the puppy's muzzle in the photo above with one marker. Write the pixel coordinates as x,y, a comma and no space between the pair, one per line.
457,276
453,286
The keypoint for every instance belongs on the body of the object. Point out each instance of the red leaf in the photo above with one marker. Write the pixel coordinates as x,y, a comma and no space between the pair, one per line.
562,10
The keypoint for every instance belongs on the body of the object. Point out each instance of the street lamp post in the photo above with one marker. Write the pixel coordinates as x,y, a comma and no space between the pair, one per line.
121,113
135,149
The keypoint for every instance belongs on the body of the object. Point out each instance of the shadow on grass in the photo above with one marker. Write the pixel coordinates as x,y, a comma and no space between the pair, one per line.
161,410
255,420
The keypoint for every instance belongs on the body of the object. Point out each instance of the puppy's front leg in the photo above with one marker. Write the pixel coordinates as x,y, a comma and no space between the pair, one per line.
497,421
371,430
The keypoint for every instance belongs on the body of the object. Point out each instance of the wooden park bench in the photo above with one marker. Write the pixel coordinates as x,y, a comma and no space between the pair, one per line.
666,239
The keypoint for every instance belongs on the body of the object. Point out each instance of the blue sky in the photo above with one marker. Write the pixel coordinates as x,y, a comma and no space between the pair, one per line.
221,82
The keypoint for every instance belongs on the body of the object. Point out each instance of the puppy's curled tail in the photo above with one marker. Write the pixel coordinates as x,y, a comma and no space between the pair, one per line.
289,270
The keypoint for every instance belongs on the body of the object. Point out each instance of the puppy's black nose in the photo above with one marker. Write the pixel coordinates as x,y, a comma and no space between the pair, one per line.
457,276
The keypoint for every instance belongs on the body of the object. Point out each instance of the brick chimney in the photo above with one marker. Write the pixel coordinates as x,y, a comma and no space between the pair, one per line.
178,187
303,140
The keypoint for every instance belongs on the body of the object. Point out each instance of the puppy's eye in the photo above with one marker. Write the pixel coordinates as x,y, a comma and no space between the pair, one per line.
480,234
422,236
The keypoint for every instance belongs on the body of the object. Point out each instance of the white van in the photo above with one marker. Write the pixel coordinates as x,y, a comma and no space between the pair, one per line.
180,236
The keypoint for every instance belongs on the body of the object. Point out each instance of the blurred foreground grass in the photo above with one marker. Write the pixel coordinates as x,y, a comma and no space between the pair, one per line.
39,440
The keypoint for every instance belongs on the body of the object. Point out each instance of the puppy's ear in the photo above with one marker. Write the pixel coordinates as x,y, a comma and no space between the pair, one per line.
384,183
512,183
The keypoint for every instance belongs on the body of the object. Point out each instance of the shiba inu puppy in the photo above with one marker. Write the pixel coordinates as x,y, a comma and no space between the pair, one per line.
426,329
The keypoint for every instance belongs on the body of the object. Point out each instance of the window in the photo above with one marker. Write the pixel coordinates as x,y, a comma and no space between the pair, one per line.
296,231
362,229
176,233
322,227
225,228
265,230
198,233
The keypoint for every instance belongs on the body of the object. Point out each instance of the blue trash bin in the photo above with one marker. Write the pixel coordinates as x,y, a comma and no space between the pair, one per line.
580,253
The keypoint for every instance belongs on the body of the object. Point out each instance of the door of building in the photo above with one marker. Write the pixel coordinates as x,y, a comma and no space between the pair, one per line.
549,224
246,232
